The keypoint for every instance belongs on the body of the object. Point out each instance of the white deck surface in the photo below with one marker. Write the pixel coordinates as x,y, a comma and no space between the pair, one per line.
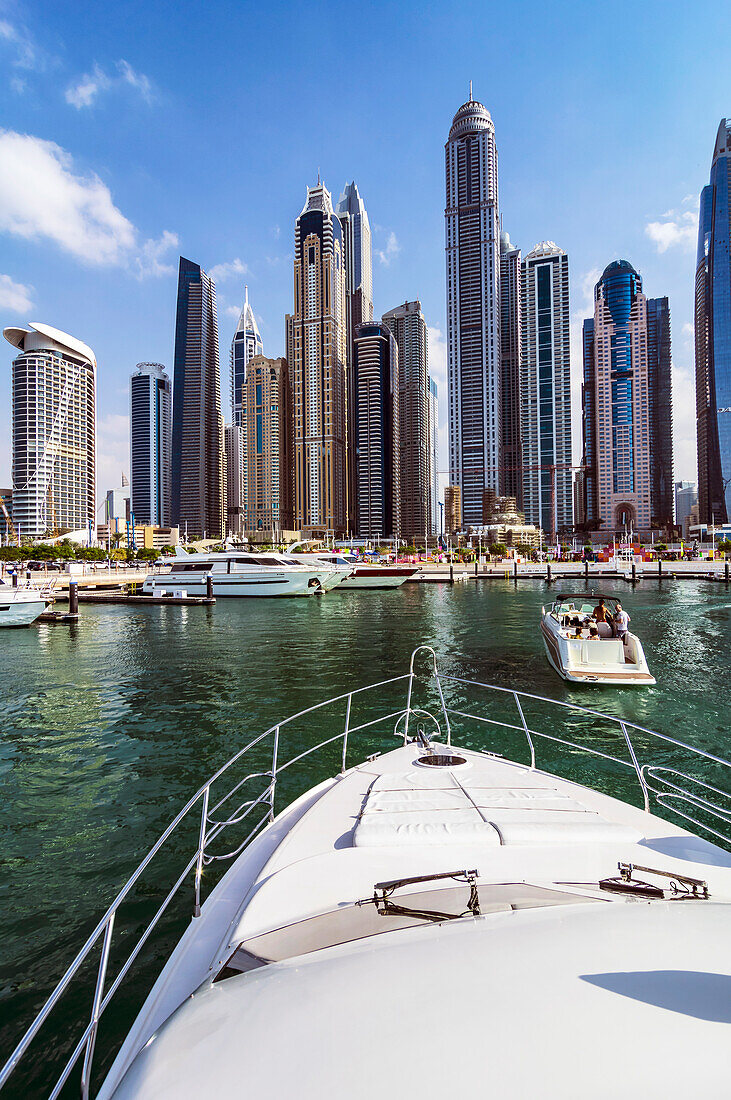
498,1005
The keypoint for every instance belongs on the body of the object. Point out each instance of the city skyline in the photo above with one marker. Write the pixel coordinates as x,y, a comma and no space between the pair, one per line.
121,300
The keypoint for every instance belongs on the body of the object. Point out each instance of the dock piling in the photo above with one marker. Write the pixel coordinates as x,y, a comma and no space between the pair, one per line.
209,586
659,569
515,571
548,573
725,571
634,573
451,574
73,598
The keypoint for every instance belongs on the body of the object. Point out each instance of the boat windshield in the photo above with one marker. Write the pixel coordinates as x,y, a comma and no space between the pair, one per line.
582,605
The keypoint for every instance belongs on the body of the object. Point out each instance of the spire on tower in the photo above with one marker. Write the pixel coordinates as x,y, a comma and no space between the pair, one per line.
470,91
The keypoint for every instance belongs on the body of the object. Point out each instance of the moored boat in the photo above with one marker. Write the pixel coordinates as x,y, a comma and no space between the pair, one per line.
583,650
236,573
427,878
20,606
367,575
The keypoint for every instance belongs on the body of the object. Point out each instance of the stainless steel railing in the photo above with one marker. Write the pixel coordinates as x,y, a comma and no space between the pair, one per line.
671,788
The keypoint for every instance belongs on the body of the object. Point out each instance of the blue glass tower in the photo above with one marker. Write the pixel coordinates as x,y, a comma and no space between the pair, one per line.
713,337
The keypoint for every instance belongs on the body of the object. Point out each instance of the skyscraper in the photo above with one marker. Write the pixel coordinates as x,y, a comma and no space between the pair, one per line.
408,325
53,431
234,443
627,404
686,499
245,345
267,416
317,343
433,458
545,389
473,306
358,306
150,445
713,336
376,431
199,459
511,454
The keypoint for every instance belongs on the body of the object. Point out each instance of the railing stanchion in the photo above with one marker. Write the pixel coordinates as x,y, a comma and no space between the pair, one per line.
527,731
345,732
638,769
444,706
201,851
98,994
275,752
408,701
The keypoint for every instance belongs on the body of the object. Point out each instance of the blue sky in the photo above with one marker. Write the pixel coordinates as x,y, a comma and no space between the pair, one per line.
134,131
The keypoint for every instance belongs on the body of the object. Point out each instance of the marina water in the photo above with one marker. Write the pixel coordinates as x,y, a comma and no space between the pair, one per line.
110,725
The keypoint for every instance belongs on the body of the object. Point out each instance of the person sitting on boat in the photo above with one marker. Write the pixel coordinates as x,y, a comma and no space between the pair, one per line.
594,632
600,612
621,622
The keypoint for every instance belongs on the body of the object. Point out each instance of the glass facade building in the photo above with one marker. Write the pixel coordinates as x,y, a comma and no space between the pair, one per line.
713,337
150,445
511,452
267,447
198,498
245,345
376,429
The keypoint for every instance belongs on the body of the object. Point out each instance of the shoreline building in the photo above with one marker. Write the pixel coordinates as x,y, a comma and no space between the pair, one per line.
545,390
452,509
511,454
713,336
317,356
686,501
53,432
266,436
150,445
433,457
627,403
358,254
198,499
376,431
408,325
473,306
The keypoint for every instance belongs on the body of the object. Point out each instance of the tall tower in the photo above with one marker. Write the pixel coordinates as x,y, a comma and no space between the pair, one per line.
713,336
627,403
408,325
234,443
511,453
317,345
199,458
545,389
245,345
358,256
433,457
267,416
54,431
376,430
150,443
473,306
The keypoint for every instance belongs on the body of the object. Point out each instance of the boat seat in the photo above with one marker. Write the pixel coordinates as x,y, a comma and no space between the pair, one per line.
605,630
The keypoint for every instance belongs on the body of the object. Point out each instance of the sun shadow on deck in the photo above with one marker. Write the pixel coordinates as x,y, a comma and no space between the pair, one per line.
695,993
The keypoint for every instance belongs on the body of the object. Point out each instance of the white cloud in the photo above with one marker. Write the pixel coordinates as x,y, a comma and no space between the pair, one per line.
86,89
149,260
112,452
220,272
391,250
15,297
276,232
43,198
678,228
232,311
25,55
684,425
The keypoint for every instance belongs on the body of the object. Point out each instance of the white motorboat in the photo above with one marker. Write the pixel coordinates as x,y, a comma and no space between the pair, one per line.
237,573
21,606
335,572
584,651
431,887
366,575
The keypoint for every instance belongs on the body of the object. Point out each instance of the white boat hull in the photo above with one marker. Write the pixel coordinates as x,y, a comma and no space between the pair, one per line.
375,577
20,611
276,583
604,661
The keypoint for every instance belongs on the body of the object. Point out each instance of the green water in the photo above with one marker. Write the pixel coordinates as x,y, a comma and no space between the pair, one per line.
109,726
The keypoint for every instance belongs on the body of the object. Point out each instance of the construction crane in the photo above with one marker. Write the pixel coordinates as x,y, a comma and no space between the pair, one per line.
552,466
11,529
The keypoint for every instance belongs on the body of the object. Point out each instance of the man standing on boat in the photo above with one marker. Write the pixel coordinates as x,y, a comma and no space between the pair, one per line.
621,622
600,612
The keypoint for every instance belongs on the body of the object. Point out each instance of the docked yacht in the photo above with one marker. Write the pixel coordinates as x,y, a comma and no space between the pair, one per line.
367,575
515,915
584,651
237,573
21,606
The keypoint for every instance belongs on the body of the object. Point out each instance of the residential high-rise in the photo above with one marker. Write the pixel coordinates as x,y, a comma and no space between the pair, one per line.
53,432
267,418
408,325
245,345
317,344
234,442
473,306
686,499
545,389
358,307
627,405
198,500
433,458
713,336
376,431
150,445
452,509
511,455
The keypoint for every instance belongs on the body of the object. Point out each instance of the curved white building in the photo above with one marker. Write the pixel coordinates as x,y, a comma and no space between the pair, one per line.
54,431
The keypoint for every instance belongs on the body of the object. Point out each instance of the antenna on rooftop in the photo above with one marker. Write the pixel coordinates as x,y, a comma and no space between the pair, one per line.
470,91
